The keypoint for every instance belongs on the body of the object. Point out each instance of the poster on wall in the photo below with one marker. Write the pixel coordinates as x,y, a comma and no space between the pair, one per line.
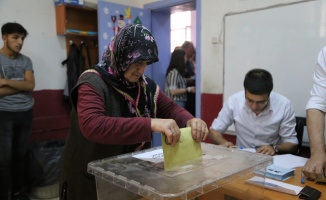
112,17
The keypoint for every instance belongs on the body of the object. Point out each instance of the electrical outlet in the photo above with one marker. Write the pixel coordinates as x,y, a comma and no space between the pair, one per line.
214,40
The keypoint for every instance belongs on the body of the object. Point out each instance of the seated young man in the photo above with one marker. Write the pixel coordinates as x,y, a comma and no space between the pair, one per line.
263,119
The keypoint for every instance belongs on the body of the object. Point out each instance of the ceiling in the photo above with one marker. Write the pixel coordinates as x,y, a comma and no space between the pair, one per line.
178,8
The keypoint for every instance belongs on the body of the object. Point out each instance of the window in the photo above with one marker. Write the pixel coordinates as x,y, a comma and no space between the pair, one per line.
180,28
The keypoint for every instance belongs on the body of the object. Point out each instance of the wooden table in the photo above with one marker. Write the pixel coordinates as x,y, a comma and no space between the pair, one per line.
239,190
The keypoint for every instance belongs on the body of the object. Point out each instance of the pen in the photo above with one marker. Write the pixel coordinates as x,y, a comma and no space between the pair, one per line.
266,183
237,147
302,178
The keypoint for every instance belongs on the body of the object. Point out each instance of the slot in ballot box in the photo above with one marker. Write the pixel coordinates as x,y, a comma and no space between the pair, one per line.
141,175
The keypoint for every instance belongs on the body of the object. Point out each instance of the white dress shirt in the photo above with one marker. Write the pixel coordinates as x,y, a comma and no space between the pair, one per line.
274,125
318,92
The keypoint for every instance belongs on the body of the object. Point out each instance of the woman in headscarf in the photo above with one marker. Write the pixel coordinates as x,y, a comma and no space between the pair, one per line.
115,110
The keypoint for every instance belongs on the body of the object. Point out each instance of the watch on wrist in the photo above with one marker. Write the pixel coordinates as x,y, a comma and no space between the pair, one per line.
275,148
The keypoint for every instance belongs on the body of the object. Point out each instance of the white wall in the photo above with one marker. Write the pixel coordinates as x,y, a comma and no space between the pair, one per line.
46,49
193,27
273,39
42,45
212,13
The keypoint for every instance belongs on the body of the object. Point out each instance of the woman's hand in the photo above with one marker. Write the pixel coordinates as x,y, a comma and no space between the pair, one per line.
168,127
199,129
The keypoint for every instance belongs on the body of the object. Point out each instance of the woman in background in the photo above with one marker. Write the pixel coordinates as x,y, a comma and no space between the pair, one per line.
176,83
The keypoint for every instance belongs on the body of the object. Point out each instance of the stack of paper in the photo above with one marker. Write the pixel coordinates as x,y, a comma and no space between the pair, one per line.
289,161
275,185
277,172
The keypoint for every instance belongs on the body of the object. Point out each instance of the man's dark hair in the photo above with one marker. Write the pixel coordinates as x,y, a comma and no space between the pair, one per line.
13,27
258,82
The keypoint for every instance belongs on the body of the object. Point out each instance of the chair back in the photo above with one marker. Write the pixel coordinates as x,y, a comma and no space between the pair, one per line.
299,128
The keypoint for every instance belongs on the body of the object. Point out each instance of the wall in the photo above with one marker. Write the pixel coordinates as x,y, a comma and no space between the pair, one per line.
211,58
47,50
212,13
43,46
273,39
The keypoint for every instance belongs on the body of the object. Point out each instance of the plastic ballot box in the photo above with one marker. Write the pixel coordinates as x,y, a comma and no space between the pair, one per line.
141,175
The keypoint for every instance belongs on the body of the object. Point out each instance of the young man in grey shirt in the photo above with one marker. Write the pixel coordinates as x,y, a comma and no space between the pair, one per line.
16,110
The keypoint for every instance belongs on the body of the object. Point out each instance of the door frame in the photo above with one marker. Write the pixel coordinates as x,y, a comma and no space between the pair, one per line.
162,9
160,27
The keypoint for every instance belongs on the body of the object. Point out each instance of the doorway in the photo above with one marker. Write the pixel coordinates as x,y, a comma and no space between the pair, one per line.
161,29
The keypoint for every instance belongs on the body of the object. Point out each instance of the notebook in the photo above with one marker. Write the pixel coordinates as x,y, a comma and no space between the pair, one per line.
275,185
277,172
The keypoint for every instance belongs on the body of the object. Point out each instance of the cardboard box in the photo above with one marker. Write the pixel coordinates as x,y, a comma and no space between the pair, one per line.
73,2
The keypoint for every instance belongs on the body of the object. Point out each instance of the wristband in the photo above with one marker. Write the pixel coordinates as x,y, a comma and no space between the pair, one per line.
188,89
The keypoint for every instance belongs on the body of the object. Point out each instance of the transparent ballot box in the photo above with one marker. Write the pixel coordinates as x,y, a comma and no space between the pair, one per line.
141,175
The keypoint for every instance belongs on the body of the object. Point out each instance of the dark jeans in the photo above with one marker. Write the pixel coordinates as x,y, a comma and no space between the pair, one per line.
15,128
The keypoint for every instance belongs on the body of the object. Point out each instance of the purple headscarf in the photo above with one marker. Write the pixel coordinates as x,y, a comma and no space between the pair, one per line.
134,43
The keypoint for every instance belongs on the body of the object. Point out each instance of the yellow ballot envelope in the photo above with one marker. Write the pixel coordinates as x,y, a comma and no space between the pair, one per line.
186,151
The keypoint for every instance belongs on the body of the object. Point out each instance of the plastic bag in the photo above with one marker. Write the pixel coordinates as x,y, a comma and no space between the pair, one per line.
44,160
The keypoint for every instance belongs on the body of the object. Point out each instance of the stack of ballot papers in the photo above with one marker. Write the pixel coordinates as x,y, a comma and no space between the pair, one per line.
275,185
277,172
289,161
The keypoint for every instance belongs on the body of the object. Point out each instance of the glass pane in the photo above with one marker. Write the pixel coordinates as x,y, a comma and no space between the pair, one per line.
188,33
180,20
180,28
178,36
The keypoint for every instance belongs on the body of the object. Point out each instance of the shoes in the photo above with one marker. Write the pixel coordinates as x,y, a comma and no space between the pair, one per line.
20,196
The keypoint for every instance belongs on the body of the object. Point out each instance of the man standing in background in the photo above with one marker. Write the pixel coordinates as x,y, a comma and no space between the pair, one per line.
316,109
16,110
189,48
